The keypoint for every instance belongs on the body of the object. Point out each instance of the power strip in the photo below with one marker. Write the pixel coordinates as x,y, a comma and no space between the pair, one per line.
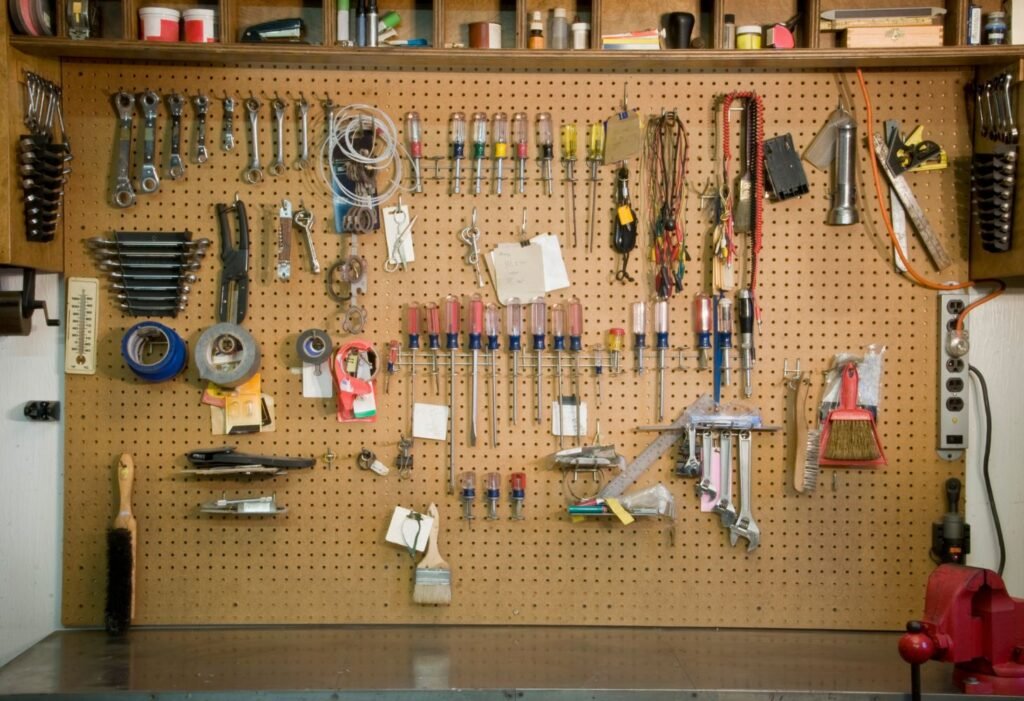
953,378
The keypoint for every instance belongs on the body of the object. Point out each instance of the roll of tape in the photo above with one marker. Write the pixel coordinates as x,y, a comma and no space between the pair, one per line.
169,351
314,346
227,355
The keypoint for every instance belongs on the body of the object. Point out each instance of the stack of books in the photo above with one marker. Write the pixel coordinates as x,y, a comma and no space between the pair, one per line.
645,40
885,27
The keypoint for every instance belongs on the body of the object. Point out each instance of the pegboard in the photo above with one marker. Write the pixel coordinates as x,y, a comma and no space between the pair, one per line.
854,554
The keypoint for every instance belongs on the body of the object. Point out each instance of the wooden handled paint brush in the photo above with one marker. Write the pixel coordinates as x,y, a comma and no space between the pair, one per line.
849,437
121,542
433,574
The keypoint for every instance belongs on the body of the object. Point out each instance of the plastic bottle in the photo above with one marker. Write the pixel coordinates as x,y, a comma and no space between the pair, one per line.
729,32
580,35
536,40
559,34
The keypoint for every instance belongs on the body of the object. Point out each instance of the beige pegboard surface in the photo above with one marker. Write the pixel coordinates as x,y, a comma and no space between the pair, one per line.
850,557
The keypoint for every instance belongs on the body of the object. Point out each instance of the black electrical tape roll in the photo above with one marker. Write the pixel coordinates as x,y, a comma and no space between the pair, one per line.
314,346
149,334
227,355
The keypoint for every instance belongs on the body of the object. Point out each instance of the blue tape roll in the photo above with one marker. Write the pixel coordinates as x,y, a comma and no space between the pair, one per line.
163,368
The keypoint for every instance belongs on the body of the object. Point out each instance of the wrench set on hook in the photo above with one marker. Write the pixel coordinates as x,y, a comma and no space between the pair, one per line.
42,160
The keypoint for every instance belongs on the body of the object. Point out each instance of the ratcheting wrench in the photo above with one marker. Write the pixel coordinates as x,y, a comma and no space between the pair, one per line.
227,134
277,166
304,220
149,181
124,195
202,105
302,109
175,166
724,507
745,526
706,447
253,174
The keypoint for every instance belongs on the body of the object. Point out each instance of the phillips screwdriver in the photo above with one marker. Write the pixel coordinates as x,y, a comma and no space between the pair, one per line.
457,136
745,312
725,338
703,320
545,150
412,329
569,154
661,343
479,149
391,364
558,344
595,156
518,482
492,492
616,342
414,136
538,324
492,324
434,341
521,139
639,333
467,482
499,137
514,325
452,311
475,323
575,346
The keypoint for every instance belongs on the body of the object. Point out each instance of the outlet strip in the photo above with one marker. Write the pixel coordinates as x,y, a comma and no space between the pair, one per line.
953,380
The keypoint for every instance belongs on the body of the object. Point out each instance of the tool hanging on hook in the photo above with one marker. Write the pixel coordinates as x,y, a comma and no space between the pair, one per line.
624,235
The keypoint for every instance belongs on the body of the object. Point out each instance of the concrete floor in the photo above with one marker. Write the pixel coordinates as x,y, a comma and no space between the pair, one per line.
409,662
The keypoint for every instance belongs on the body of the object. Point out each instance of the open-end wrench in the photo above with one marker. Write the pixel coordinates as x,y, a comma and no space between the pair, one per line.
175,166
302,110
304,220
278,166
725,507
745,526
253,173
201,103
706,447
227,134
149,180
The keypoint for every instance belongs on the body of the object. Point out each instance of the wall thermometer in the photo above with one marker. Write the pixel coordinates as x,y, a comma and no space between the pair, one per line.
81,322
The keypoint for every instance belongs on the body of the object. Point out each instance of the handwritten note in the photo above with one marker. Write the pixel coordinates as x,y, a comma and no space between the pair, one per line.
518,271
430,421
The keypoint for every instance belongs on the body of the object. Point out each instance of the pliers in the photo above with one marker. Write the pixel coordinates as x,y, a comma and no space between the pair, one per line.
234,277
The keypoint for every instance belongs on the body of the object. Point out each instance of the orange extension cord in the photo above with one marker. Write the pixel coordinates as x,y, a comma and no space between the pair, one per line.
911,271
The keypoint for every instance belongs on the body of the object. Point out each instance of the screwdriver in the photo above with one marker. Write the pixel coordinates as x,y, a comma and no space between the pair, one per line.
521,139
392,363
703,319
661,343
538,323
595,156
491,326
499,135
545,150
457,135
575,346
639,333
414,135
518,481
558,338
452,311
412,328
745,312
598,371
569,153
616,341
492,490
434,341
476,323
479,148
467,481
725,337
514,324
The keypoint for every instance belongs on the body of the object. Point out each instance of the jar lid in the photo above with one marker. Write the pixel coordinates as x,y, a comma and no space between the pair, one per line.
580,26
749,29
560,12
996,15
536,26
535,16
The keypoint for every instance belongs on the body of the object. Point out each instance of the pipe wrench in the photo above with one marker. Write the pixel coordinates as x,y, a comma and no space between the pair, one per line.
175,166
124,194
149,180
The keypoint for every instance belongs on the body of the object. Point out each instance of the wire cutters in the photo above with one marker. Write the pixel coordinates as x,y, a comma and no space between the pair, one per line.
234,277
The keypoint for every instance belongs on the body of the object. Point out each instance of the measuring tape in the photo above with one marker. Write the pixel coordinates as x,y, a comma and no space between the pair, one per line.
145,338
227,355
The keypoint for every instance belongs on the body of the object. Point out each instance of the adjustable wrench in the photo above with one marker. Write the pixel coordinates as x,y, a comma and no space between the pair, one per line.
227,134
149,180
706,447
277,166
691,468
175,166
302,162
724,507
304,220
202,105
253,174
745,526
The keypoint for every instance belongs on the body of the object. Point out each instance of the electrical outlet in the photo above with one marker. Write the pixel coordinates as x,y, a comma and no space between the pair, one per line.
953,377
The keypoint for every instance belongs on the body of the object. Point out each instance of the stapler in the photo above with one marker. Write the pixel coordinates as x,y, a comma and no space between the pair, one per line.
289,30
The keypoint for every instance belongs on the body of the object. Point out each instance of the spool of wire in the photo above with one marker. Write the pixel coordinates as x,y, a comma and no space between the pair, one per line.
154,352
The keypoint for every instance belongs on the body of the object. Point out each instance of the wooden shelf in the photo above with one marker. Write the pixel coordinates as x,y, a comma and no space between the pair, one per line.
515,59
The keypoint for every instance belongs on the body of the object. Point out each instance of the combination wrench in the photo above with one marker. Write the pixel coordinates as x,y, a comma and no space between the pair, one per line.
175,166
277,166
302,110
745,526
725,507
149,180
227,134
253,174
202,106
124,195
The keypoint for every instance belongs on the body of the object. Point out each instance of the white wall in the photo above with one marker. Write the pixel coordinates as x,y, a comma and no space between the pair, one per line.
31,477
997,350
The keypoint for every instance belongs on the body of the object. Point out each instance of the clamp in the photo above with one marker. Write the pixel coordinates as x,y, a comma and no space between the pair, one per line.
234,280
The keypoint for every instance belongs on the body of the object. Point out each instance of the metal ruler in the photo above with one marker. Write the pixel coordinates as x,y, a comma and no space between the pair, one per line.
897,214
672,433
81,324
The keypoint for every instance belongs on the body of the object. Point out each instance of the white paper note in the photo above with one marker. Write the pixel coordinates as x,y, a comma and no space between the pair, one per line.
517,271
430,421
317,385
393,226
568,419
556,277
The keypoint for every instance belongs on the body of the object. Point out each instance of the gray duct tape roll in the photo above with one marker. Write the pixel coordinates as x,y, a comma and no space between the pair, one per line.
314,346
227,355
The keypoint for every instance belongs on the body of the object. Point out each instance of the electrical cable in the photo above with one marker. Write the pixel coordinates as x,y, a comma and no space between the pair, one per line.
667,147
984,467
911,271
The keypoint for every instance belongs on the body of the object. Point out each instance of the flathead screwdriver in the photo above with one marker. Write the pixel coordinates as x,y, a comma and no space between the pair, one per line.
558,344
569,155
521,140
703,322
434,342
545,150
475,323
745,312
452,311
575,347
412,329
491,328
661,344
514,325
595,156
640,333
479,149
414,137
457,136
538,325
499,137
